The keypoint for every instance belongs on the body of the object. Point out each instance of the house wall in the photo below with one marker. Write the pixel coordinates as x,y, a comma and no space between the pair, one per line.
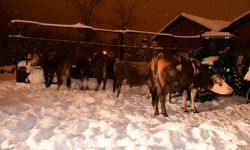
243,35
183,27
186,27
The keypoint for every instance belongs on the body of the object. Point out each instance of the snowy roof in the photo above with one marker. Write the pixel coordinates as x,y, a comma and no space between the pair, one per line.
236,22
77,25
217,34
213,25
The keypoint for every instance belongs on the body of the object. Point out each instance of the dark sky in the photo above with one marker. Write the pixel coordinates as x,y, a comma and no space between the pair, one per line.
154,13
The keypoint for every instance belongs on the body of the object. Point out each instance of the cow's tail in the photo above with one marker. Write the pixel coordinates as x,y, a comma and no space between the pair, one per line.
155,87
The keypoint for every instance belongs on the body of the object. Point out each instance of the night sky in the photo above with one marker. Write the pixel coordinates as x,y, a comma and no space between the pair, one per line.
154,14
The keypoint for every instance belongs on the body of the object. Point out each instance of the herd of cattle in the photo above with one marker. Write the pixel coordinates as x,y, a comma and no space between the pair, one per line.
165,74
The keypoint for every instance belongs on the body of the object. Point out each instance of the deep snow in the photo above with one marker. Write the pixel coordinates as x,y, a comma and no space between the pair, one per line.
35,117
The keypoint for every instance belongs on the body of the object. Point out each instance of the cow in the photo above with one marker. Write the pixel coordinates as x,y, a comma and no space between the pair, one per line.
83,68
100,66
130,73
173,72
51,64
247,75
163,81
247,78
243,66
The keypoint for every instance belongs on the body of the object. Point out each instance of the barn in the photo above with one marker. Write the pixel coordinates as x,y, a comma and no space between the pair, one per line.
240,27
187,30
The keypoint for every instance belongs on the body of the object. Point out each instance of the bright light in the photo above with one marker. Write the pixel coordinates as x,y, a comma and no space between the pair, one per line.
104,52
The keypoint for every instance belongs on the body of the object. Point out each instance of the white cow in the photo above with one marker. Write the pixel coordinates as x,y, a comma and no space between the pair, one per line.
247,76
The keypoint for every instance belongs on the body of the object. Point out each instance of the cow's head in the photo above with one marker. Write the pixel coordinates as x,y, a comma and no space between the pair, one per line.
247,76
34,59
219,85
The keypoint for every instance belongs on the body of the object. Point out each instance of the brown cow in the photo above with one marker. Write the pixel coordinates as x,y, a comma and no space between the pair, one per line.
173,72
247,75
51,64
247,78
164,79
100,66
131,73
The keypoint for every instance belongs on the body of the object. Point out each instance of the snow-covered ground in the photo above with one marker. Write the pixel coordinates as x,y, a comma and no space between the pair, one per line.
34,117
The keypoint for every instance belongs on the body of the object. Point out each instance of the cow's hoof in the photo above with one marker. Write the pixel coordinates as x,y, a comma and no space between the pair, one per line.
156,113
194,110
164,114
248,102
184,110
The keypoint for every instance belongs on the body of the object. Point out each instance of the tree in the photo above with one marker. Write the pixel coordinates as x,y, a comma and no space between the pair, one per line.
84,9
124,17
85,12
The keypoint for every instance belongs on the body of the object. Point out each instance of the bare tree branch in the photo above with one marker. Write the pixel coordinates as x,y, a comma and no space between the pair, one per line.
84,9
124,15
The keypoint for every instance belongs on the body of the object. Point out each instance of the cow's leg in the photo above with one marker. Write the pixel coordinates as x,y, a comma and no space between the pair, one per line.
169,96
114,84
68,77
59,80
156,110
87,83
82,79
118,88
68,81
147,94
184,98
50,78
46,77
163,107
99,81
104,76
148,86
193,98
104,83
155,101
248,92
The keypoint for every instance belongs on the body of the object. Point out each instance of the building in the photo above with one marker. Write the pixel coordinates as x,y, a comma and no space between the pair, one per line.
240,27
187,30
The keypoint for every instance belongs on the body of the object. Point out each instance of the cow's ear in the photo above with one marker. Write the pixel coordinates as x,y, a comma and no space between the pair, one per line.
210,83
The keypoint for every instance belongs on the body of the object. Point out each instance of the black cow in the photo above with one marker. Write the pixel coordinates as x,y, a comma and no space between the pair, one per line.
131,73
51,64
83,69
100,66
173,72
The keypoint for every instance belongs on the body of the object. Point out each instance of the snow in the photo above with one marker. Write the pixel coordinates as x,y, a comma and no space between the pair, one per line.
35,117
82,26
218,34
212,24
209,60
77,25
